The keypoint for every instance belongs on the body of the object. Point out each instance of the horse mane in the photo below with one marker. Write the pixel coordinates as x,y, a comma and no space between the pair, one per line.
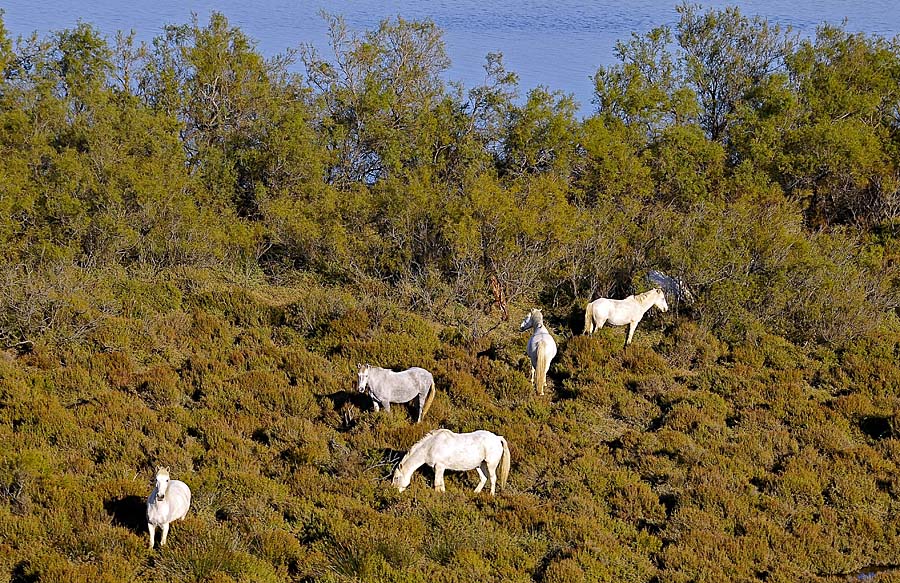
644,295
418,445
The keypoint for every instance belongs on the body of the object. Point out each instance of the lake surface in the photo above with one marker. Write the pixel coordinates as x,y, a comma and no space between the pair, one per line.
558,44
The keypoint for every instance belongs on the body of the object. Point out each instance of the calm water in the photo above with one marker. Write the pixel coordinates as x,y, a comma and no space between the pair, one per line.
556,43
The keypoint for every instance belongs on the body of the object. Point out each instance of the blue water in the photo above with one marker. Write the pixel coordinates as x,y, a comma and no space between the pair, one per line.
556,43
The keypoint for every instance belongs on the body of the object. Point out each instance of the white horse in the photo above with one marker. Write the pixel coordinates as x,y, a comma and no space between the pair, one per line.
444,450
541,348
386,386
620,312
169,501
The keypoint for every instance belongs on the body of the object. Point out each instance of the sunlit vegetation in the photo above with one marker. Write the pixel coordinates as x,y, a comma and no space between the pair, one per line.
198,244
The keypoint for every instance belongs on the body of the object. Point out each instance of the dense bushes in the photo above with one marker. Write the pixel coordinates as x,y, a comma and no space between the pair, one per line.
680,458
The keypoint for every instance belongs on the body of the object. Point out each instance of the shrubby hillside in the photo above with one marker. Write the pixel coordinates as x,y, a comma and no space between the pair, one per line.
198,244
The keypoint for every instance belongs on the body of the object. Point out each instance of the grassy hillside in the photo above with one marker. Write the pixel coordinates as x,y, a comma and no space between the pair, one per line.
681,458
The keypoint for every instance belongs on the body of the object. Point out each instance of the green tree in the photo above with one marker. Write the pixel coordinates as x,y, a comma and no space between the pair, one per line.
232,103
841,154
541,136
724,55
646,91
376,98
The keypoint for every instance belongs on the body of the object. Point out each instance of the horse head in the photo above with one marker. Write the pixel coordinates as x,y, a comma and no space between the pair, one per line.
534,319
162,483
661,300
400,481
363,377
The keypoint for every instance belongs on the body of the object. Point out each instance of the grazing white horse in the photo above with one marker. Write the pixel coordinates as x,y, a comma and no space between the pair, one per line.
386,386
169,501
444,450
620,312
541,348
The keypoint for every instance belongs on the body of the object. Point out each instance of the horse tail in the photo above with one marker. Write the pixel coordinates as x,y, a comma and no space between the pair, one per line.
541,367
428,399
588,319
504,463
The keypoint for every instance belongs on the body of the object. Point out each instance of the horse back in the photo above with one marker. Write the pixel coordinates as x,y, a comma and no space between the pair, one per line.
421,375
606,306
179,497
619,312
400,386
464,451
181,488
541,337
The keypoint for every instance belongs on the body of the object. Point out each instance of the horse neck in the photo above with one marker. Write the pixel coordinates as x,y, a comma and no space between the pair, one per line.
646,300
539,328
412,460
534,323
377,375
418,453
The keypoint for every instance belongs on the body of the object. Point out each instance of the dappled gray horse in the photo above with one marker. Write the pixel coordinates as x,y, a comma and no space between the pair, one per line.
386,386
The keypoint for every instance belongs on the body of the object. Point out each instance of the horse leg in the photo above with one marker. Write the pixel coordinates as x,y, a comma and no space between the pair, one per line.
422,399
152,530
439,478
481,478
165,534
387,406
376,406
632,326
492,472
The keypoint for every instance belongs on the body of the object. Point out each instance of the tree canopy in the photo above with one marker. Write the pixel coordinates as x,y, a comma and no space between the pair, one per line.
198,150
